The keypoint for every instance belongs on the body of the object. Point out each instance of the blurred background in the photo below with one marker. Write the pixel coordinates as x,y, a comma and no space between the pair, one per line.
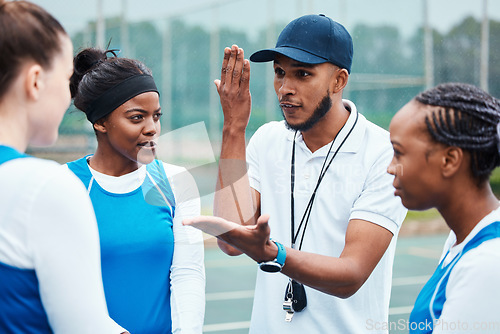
400,49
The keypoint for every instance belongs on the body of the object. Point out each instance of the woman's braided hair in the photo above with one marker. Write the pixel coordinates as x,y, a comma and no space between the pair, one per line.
468,118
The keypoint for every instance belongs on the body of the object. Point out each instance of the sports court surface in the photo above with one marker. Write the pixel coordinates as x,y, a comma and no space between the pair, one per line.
231,280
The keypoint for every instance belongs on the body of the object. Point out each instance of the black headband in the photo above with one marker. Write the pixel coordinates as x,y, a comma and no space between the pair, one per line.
119,94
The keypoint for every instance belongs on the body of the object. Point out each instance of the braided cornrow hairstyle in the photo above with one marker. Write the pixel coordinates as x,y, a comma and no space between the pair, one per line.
466,117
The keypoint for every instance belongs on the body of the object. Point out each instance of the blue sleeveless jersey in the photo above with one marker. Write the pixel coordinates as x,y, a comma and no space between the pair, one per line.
137,245
21,309
430,301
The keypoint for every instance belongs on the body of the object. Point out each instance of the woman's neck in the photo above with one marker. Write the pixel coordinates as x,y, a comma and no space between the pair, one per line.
111,163
467,209
13,129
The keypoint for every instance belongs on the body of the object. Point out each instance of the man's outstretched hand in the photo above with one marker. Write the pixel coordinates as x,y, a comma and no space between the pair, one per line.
252,240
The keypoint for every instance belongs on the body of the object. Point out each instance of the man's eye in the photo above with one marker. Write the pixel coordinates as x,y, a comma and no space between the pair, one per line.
279,71
303,73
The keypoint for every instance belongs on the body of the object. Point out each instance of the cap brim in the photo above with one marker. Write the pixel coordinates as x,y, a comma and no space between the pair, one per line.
293,53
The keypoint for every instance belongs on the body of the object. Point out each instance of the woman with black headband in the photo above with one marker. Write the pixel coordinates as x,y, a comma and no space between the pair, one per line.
152,266
50,277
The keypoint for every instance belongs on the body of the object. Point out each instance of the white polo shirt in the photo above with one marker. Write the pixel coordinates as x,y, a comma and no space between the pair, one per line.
356,186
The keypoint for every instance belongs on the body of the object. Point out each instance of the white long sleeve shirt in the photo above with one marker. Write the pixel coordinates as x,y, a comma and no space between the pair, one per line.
47,224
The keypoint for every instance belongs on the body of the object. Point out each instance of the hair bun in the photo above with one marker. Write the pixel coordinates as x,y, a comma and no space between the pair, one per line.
84,62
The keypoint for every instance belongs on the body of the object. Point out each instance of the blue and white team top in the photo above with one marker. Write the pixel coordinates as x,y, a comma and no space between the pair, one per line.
152,265
50,278
463,296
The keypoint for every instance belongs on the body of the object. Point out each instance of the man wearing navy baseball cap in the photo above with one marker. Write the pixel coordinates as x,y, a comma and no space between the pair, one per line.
316,203
312,39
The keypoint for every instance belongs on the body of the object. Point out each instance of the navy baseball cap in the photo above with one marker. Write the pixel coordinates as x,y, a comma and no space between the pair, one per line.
312,39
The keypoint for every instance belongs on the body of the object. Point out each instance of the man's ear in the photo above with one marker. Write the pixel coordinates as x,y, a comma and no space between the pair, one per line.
340,79
33,82
100,126
452,161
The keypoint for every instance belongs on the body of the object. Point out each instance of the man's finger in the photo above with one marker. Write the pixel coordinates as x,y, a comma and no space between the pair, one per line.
245,76
225,60
217,85
212,225
229,70
238,66
263,223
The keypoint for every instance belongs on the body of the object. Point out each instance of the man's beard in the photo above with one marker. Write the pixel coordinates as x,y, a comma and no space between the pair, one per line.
320,111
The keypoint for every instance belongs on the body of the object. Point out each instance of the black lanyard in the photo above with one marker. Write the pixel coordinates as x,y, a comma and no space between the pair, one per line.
324,168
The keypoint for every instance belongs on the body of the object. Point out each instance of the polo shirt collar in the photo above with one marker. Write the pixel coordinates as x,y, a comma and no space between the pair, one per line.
352,144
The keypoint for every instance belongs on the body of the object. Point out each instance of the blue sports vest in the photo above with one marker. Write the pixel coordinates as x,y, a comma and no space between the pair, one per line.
137,245
21,309
430,301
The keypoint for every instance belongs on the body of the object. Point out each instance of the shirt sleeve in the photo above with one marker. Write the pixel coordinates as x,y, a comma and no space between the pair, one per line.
188,270
64,240
472,294
377,203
